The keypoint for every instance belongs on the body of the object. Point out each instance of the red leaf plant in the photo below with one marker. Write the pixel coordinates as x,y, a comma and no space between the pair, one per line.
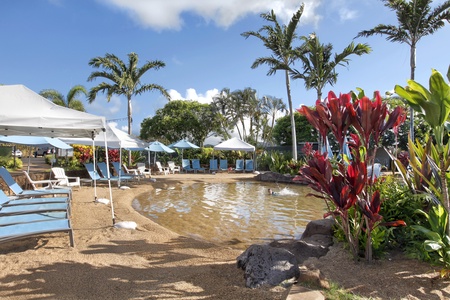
343,185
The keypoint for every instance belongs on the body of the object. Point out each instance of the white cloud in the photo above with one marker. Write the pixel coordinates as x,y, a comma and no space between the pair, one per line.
102,107
191,94
167,14
347,14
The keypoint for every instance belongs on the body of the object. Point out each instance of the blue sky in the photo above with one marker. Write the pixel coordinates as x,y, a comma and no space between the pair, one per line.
47,44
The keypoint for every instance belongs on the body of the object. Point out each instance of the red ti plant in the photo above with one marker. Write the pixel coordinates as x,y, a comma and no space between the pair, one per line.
348,184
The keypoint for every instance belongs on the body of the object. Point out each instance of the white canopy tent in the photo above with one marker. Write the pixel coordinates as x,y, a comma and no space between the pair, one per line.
236,144
25,112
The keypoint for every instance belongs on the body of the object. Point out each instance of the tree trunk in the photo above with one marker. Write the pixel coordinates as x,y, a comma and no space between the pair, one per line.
291,111
412,64
130,126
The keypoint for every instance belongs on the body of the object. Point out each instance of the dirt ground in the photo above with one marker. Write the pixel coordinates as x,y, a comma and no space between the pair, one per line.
152,262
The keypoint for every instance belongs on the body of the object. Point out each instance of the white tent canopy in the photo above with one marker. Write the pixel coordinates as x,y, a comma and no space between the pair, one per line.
34,141
25,112
115,137
235,144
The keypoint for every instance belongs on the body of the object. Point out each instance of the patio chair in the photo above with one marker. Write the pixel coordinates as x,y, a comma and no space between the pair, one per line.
223,165
161,169
63,179
249,165
124,173
32,217
186,165
104,171
239,165
143,171
23,230
196,166
172,167
18,191
213,165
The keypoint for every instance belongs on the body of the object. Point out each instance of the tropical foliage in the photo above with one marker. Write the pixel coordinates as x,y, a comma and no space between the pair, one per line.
345,184
70,101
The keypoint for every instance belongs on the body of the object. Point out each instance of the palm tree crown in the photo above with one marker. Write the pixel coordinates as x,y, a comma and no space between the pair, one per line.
124,79
70,101
415,19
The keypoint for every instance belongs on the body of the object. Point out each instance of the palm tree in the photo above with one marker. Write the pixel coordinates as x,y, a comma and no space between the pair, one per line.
415,19
125,79
279,40
271,107
70,101
319,69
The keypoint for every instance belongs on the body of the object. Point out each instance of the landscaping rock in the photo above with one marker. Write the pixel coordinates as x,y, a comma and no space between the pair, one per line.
264,264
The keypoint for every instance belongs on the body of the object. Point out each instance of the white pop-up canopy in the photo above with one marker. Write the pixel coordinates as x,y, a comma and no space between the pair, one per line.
25,112
235,144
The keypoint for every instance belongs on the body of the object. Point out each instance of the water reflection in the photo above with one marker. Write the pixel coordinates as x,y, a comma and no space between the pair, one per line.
237,214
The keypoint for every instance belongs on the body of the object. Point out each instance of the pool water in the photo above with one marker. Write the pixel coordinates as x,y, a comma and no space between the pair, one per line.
236,214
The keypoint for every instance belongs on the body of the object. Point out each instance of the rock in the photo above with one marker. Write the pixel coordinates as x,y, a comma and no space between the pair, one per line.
323,226
264,264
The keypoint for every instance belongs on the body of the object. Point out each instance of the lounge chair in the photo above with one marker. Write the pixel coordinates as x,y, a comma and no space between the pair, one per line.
32,217
196,166
249,165
93,173
223,165
143,171
123,173
15,200
172,167
213,165
23,230
186,165
19,206
161,169
63,179
133,172
104,171
18,191
239,165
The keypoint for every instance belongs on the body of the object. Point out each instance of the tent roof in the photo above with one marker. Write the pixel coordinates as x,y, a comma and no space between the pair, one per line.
235,144
25,112
35,141
115,138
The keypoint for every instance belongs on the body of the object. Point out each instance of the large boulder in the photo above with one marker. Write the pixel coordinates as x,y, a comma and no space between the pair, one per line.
264,264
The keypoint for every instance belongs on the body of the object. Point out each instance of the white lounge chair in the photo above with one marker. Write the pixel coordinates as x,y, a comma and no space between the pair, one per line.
172,167
161,169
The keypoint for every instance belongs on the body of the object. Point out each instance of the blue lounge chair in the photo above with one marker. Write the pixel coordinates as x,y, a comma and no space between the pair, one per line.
14,200
23,230
93,173
249,165
186,165
196,166
18,191
32,217
10,206
239,165
223,166
213,165
121,171
104,171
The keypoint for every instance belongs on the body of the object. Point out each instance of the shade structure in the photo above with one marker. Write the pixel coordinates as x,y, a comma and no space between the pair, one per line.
25,112
157,147
35,141
183,144
236,145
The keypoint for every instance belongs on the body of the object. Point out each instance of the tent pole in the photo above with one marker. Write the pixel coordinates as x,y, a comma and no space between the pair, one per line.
109,180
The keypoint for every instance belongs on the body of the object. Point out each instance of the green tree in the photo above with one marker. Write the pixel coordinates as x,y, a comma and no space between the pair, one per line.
222,105
416,19
70,101
124,79
282,129
180,119
319,69
279,39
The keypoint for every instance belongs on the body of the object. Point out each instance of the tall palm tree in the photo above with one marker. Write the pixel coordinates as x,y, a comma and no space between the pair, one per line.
279,39
319,68
415,19
70,101
271,107
124,79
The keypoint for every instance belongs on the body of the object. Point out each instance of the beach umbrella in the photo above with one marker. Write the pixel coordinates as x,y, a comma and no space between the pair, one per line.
158,147
183,144
327,148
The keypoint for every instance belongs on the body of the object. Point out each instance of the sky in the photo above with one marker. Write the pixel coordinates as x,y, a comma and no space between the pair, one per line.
47,44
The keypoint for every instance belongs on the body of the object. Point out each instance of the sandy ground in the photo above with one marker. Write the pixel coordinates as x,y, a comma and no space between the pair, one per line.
110,263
